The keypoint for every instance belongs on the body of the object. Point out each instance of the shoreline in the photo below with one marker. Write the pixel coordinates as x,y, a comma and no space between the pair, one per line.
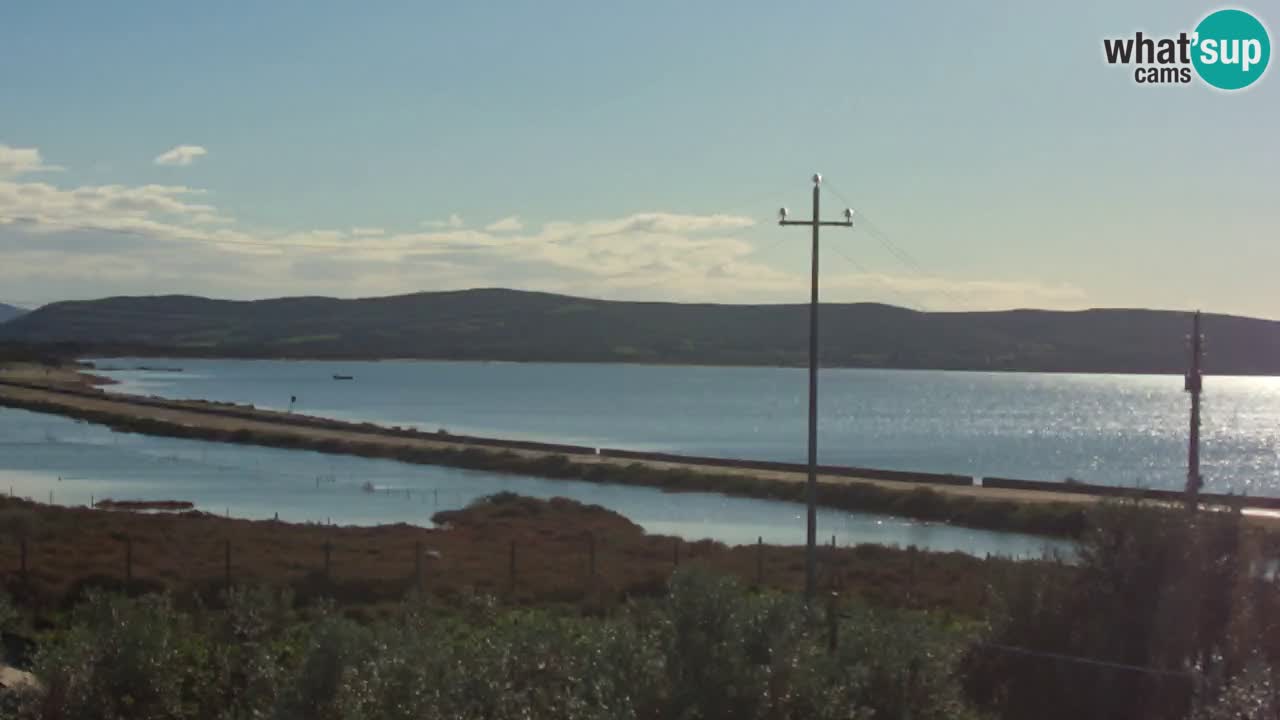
177,354
937,498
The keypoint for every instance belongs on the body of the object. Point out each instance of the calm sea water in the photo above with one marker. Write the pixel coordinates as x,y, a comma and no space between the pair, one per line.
51,458
1115,429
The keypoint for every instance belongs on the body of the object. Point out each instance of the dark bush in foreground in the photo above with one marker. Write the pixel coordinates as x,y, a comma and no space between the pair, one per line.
1156,617
707,650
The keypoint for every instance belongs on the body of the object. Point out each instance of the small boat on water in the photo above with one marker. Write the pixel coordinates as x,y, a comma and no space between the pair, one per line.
344,377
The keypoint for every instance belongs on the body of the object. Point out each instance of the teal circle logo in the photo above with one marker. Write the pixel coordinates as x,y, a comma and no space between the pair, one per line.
1232,49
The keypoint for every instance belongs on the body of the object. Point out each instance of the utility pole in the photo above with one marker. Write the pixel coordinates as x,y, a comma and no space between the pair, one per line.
1193,385
811,487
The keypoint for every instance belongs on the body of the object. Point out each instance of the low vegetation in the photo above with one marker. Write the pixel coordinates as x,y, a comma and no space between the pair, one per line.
706,649
1159,615
71,551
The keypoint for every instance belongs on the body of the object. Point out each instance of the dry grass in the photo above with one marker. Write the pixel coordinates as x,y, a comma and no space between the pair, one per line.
70,549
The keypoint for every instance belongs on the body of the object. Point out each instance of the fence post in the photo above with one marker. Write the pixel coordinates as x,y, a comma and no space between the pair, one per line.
511,570
911,572
591,555
675,552
833,566
760,561
227,562
833,625
417,565
328,552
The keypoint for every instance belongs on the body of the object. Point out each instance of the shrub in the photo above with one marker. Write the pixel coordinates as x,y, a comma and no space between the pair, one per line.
1255,693
707,649
8,613
1151,588
124,658
333,649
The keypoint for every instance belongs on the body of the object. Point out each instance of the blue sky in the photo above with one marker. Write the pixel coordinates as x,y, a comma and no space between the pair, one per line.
634,151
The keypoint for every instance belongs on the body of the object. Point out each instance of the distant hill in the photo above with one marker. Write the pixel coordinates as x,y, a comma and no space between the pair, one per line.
528,326
8,312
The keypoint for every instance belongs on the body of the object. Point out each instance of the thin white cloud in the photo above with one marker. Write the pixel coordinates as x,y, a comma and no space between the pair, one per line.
660,222
43,203
211,218
120,239
507,224
18,161
454,221
181,155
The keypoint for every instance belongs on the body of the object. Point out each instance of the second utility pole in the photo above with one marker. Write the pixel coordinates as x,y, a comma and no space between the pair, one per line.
811,487
1194,384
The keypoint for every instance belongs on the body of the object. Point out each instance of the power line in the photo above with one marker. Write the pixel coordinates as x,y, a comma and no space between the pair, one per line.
1088,661
865,223
897,251
903,299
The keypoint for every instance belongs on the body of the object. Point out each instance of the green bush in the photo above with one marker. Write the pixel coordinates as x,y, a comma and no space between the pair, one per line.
124,658
1252,695
1156,602
334,648
8,614
252,648
707,650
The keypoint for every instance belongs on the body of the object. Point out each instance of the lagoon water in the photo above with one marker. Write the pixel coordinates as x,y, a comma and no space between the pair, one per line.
1114,429
48,457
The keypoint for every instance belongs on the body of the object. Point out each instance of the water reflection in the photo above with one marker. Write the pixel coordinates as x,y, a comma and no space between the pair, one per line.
79,462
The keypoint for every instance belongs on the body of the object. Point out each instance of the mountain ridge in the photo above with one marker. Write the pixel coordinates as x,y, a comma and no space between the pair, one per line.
9,312
500,324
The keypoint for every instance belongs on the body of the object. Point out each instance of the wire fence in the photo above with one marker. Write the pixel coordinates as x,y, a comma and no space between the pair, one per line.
355,564
336,568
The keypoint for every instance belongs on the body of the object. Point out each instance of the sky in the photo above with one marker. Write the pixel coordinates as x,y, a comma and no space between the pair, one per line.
629,151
